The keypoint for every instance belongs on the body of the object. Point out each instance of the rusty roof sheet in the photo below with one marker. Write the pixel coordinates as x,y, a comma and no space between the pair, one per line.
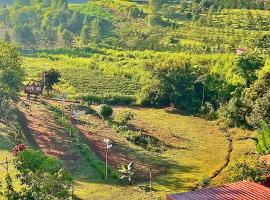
244,190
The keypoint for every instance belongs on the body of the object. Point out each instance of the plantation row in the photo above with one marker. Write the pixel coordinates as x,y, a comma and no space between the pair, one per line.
98,83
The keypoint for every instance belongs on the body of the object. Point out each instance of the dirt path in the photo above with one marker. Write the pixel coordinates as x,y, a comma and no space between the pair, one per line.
47,135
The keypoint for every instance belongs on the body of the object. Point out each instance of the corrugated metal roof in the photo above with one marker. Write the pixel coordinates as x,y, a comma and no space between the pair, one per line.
244,190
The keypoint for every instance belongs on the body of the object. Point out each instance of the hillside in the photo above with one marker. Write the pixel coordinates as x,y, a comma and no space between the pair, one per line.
180,88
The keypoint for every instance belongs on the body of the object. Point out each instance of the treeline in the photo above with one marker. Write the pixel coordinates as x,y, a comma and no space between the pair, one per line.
207,4
51,23
239,96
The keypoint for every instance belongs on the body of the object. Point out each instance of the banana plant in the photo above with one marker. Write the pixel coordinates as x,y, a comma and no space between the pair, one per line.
263,143
127,171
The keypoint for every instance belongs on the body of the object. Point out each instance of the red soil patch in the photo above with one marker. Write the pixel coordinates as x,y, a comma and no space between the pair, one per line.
95,139
49,136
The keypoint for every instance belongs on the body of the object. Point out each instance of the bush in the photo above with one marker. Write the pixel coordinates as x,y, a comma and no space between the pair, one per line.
104,110
244,171
263,143
111,99
124,117
209,111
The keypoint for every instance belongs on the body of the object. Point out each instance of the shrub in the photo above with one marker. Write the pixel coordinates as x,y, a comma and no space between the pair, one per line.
111,99
263,143
41,176
208,110
104,110
206,181
124,117
244,171
233,113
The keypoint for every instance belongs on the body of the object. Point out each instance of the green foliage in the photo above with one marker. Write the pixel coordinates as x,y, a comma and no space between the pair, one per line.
263,143
7,37
124,117
67,38
11,73
233,113
85,34
256,100
245,171
51,78
104,110
248,65
263,42
10,192
25,36
111,99
42,176
205,182
172,83
127,171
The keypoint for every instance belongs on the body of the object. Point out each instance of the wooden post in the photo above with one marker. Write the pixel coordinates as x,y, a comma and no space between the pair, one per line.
72,191
7,164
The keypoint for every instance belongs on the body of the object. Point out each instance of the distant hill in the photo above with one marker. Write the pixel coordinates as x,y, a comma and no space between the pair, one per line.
77,1
70,1
6,1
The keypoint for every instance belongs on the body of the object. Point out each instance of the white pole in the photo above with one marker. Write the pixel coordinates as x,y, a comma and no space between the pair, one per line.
107,162
150,182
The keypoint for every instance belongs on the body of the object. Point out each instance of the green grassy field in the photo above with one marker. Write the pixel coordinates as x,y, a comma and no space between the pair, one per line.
199,148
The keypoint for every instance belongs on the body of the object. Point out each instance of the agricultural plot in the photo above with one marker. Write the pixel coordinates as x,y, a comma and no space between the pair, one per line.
86,75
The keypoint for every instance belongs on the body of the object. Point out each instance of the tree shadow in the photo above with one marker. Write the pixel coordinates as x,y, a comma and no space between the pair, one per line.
27,132
6,143
144,161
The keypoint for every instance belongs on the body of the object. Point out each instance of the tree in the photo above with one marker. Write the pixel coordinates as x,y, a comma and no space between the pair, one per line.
49,36
76,22
104,110
85,34
247,66
96,30
156,4
25,36
256,99
50,77
173,82
67,38
7,37
42,176
11,74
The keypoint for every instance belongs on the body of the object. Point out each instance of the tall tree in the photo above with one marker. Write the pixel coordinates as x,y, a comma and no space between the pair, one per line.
25,36
50,77
67,38
11,74
85,34
247,66
96,30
